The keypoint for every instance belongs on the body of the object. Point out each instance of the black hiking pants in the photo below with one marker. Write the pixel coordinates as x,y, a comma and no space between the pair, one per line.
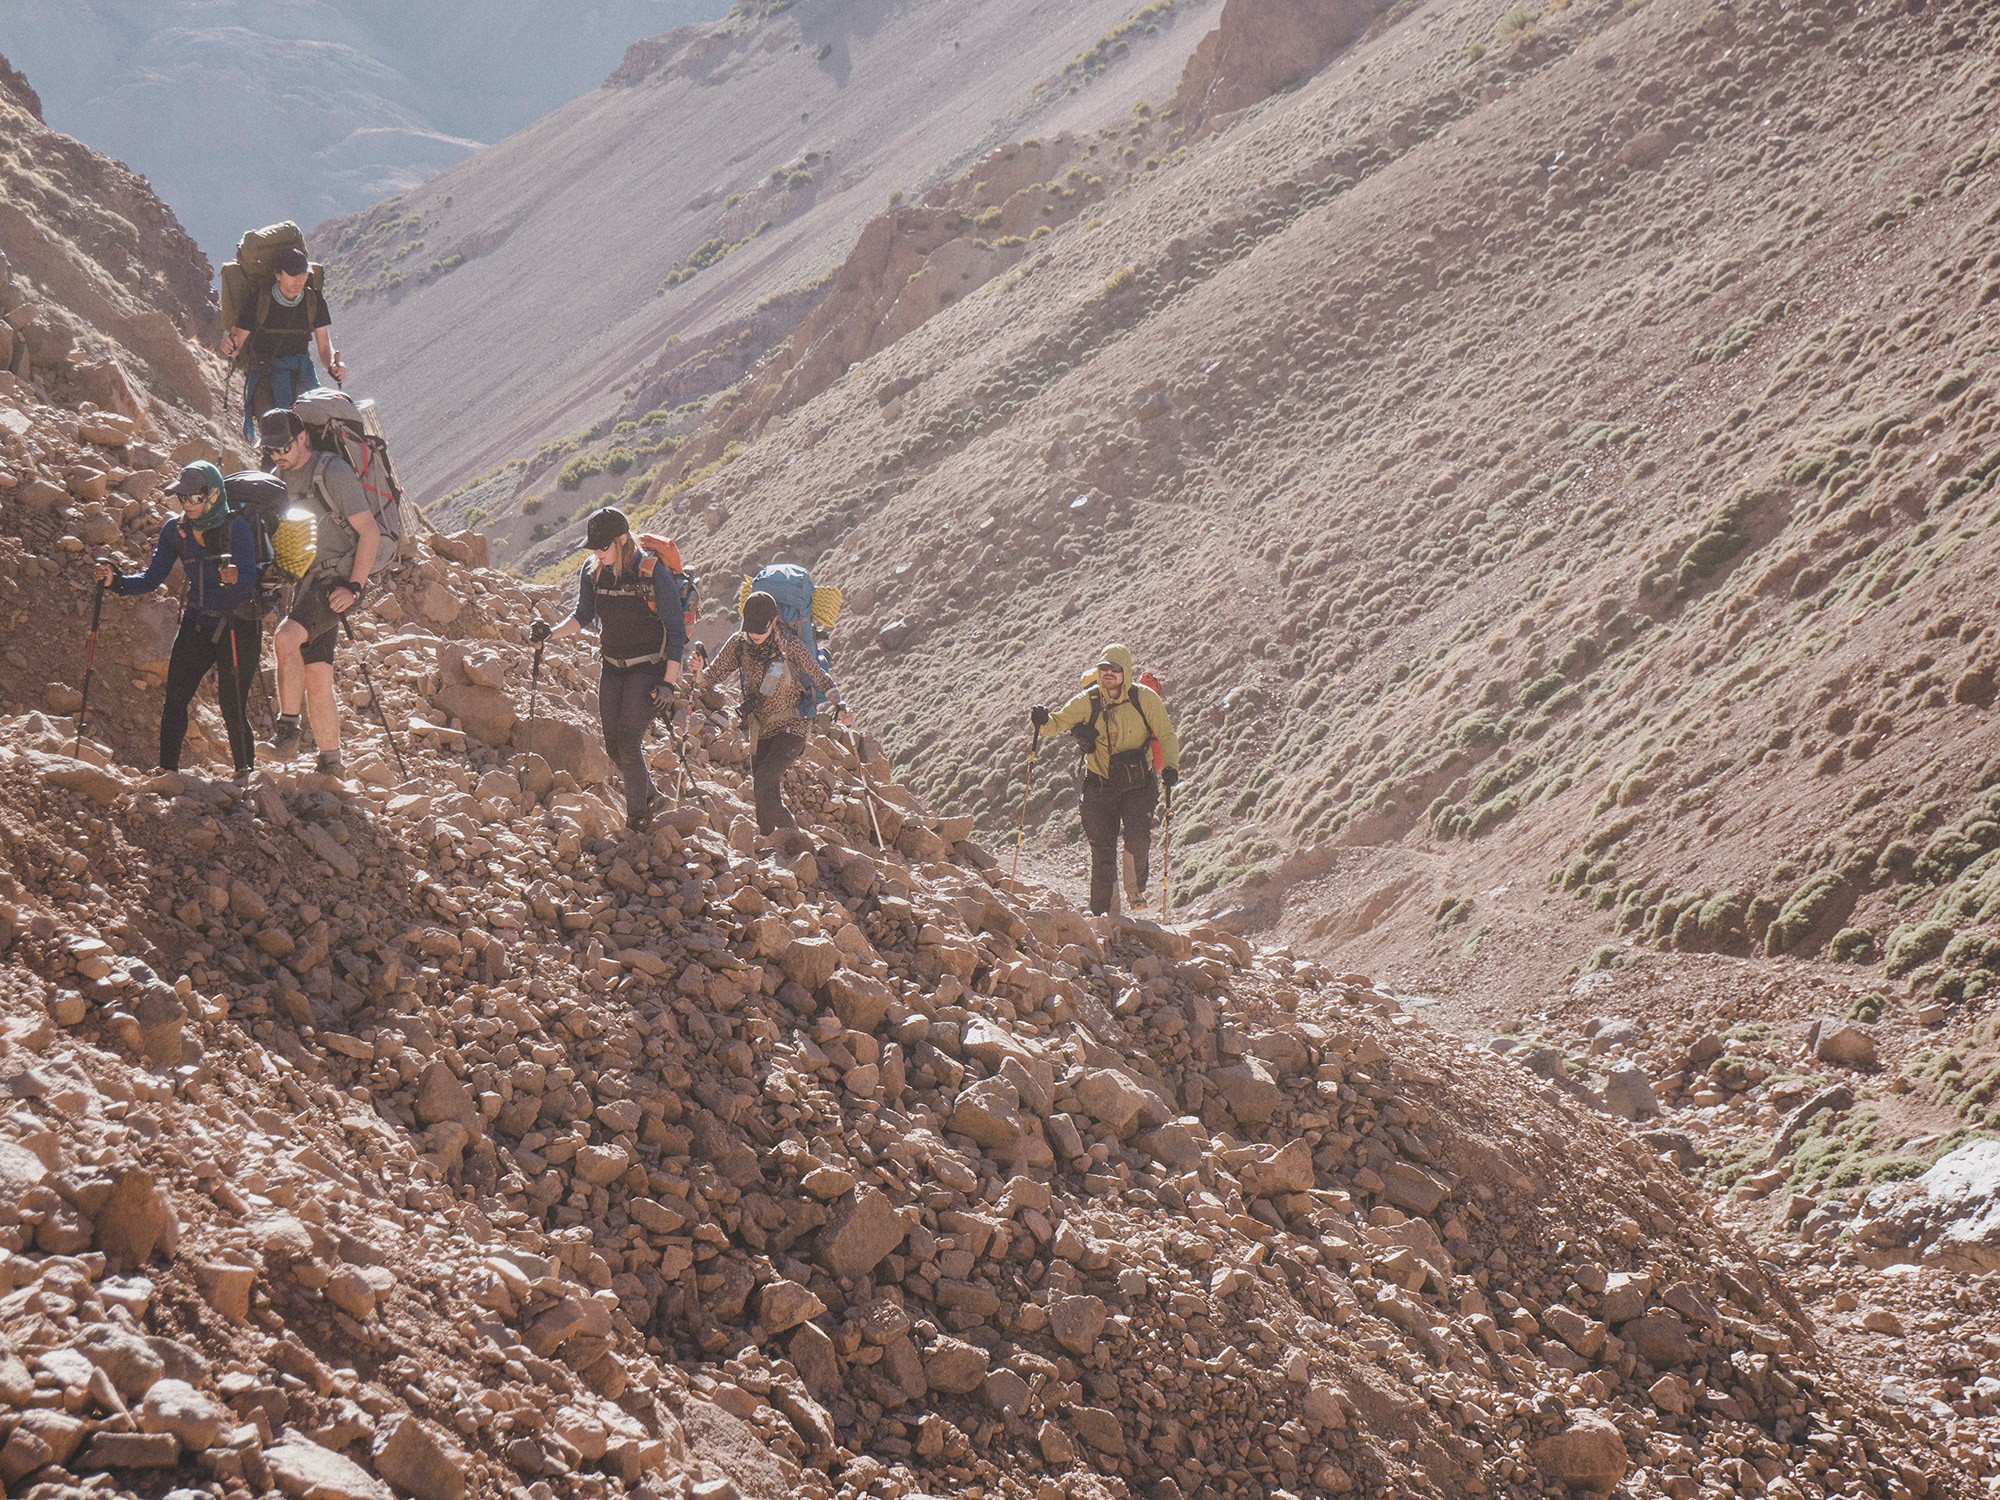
625,709
229,646
1108,811
775,755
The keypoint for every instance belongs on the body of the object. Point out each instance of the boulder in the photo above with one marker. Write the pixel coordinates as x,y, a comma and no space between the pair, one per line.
783,1305
1660,1339
1949,1217
1119,1102
566,747
1411,1188
442,1096
127,1359
1249,1090
809,962
306,1471
1076,1322
1629,1095
860,1001
955,1368
1099,1428
989,1111
1847,1045
863,1227
1589,1455
412,1457
1287,1170
134,1220
194,1417
484,713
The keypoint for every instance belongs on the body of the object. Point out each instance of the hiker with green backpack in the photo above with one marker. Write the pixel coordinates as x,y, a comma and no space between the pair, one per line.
633,593
1130,751
274,303
220,620
782,684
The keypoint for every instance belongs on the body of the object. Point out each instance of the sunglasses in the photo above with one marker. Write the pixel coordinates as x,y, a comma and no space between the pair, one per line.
187,500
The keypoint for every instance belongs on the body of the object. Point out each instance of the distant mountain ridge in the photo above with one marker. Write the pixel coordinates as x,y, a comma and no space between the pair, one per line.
242,113
644,246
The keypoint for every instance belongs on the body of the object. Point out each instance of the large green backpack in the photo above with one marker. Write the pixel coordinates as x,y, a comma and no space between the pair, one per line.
247,278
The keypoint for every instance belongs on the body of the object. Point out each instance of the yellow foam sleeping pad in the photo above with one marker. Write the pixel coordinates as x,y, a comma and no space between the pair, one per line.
825,605
295,543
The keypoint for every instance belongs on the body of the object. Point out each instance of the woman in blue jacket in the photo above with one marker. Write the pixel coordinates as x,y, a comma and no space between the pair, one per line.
220,627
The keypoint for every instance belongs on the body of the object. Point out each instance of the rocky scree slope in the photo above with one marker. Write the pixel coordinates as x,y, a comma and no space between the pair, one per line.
100,288
1666,376
426,1132
639,248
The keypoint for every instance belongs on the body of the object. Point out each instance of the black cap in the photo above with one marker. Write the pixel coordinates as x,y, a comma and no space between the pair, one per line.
605,527
278,427
292,262
759,610
193,480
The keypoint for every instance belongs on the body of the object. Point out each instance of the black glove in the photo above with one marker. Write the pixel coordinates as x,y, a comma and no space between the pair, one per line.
663,696
1038,715
539,631
1169,776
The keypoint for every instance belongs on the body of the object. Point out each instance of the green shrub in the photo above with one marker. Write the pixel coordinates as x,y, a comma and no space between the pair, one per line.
1852,945
1868,1007
1802,913
1518,25
1916,944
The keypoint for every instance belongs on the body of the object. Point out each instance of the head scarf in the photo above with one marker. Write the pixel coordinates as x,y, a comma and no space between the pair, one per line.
217,511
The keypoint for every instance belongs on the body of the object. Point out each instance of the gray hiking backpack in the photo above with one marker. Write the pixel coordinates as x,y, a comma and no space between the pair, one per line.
352,430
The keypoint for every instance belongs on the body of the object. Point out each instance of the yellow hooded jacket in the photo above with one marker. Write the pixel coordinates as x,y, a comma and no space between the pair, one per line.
1122,724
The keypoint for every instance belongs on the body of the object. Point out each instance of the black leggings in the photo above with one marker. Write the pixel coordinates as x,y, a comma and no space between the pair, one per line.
233,652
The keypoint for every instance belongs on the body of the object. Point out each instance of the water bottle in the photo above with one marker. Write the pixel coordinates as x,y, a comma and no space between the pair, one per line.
774,675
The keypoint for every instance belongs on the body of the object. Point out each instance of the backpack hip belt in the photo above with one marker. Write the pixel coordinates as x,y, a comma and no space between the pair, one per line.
623,662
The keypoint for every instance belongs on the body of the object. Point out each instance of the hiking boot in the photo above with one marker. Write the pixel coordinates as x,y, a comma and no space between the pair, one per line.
330,765
285,738
642,822
242,775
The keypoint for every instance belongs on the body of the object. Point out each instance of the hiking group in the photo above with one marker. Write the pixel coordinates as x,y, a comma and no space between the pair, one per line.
308,533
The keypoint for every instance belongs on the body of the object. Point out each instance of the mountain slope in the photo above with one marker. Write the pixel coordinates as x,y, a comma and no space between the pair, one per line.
543,278
427,1130
243,114
1570,447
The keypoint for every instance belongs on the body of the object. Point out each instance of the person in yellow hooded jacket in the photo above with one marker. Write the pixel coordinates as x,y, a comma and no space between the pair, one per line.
1118,722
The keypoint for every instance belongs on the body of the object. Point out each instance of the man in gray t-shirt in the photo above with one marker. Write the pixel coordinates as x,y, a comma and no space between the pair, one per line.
348,540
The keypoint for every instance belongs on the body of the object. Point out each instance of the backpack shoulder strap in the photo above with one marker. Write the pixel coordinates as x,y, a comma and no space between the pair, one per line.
1145,718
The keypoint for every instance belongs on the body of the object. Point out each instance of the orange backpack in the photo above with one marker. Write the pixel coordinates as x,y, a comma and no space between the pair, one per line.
654,550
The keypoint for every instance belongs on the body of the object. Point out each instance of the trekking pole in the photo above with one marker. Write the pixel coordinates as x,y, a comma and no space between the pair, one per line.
89,666
868,789
375,698
535,680
1034,744
1167,861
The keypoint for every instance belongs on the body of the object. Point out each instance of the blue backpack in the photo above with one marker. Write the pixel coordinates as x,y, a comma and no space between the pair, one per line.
792,586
